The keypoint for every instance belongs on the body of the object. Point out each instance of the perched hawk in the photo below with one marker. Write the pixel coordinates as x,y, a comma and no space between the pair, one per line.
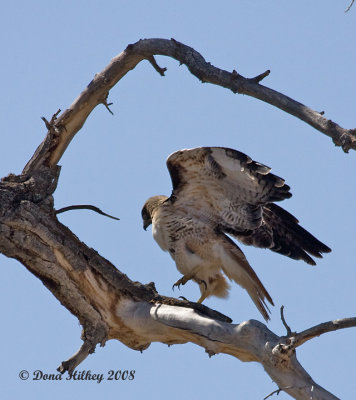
219,191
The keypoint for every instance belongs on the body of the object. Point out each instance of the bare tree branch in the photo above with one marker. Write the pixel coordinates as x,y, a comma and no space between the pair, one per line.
274,392
107,303
110,306
320,329
72,119
154,64
349,7
72,362
289,332
85,207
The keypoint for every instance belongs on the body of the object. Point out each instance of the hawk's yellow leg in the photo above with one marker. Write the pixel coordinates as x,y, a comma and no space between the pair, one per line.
203,296
187,277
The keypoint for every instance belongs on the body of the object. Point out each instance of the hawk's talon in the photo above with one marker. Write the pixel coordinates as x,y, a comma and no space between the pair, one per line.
179,283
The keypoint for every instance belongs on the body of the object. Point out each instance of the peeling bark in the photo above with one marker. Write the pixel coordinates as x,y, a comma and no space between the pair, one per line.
107,303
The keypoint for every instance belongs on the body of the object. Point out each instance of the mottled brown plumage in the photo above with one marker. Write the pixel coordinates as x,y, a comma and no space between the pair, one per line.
216,191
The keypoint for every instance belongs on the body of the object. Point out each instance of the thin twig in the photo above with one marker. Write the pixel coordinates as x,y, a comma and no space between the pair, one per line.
70,364
289,331
349,7
106,104
154,64
276,392
50,124
259,77
104,101
85,207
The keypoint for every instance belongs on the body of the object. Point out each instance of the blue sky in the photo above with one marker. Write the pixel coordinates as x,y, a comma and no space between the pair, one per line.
50,52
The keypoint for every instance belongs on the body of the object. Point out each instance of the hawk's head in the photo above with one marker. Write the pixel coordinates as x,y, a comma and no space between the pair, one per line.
149,208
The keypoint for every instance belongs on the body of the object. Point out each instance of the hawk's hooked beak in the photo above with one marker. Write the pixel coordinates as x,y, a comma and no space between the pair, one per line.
146,224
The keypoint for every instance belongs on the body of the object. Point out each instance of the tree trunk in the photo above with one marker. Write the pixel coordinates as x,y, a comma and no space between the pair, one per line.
106,302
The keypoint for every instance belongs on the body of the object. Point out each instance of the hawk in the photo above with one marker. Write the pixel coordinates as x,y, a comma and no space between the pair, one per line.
218,192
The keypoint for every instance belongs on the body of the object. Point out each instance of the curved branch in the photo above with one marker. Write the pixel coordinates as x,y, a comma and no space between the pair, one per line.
106,302
317,330
349,7
110,306
289,331
85,207
63,128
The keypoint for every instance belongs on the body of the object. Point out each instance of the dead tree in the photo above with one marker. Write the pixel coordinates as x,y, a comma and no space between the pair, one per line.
106,302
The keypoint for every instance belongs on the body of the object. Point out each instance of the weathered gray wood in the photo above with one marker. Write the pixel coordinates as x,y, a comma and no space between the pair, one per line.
106,302
63,128
110,306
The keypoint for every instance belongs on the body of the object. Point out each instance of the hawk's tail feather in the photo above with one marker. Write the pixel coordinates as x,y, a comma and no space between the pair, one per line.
236,267
259,300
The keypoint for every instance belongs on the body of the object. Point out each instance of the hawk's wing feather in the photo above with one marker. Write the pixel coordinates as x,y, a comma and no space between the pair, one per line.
281,232
290,238
224,185
230,190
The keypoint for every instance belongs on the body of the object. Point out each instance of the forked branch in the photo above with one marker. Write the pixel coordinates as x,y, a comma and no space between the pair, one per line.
106,302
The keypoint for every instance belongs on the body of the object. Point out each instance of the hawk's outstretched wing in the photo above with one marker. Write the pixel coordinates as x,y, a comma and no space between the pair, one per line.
280,231
236,194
